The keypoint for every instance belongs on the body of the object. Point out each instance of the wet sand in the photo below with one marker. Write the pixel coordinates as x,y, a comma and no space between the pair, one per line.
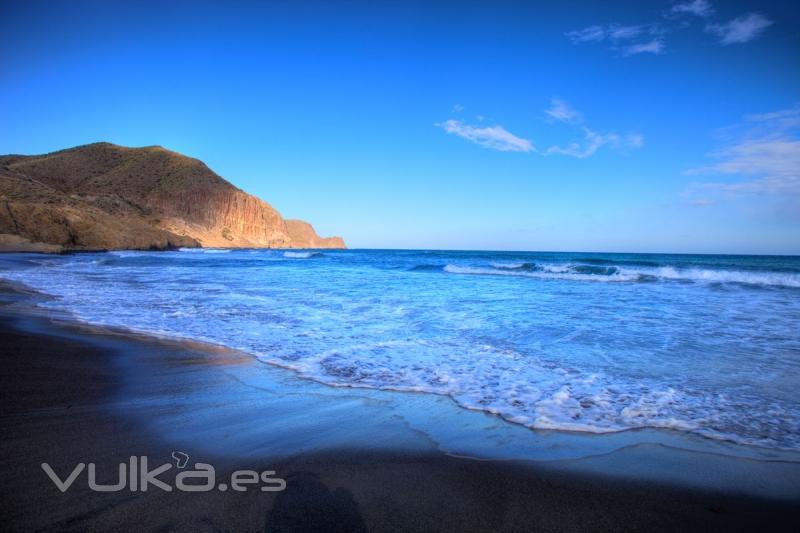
71,395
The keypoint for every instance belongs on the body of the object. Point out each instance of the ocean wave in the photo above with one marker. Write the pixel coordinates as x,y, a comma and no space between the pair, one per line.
426,268
606,261
301,255
777,279
549,272
557,268
205,250
530,267
618,274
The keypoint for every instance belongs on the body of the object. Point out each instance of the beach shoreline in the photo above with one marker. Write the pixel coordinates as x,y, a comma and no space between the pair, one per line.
71,396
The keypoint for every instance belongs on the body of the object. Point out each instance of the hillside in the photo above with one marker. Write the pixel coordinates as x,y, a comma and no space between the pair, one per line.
103,196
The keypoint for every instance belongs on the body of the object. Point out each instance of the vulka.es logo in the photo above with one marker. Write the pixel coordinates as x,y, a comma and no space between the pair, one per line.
136,476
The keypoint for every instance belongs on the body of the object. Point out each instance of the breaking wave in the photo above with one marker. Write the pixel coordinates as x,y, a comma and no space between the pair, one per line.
582,272
301,255
550,272
426,268
206,250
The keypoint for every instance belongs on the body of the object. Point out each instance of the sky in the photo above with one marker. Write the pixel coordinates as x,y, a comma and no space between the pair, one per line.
663,126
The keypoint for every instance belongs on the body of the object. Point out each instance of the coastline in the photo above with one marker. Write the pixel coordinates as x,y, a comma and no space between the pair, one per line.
71,395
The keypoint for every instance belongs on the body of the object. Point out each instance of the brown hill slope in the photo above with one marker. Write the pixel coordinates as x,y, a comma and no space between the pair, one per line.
103,196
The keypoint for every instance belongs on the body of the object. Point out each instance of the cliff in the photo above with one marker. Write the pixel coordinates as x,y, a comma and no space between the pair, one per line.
103,196
300,231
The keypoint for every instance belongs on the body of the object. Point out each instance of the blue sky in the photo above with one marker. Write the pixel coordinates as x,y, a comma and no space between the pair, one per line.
668,126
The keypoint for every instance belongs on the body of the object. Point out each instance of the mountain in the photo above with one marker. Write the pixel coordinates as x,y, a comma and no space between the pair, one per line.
102,196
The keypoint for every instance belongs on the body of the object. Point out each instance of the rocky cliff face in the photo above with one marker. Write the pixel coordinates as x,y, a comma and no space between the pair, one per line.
300,231
102,196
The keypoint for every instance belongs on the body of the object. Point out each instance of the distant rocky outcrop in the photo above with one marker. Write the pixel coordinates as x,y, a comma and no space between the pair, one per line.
102,197
300,231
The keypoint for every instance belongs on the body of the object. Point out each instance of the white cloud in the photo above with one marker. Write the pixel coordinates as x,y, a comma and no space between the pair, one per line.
634,140
500,139
617,32
458,108
493,137
769,162
561,111
775,164
656,46
620,36
590,34
592,141
741,29
776,122
612,32
700,8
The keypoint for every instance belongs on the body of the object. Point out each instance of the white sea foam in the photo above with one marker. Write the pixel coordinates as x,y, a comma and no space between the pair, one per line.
300,255
613,274
507,265
206,250
778,279
552,272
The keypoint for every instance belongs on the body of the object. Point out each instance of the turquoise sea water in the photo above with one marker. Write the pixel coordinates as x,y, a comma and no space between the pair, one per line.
571,341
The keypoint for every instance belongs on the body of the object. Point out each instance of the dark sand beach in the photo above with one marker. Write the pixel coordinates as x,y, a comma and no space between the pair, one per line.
70,395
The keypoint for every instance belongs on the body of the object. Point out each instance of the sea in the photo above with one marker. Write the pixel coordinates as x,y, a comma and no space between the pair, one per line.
578,342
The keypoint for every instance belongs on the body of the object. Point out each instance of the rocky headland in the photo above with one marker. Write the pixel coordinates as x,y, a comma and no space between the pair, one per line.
107,197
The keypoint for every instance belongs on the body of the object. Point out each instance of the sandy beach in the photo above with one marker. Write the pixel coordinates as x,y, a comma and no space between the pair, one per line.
71,395
370,266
